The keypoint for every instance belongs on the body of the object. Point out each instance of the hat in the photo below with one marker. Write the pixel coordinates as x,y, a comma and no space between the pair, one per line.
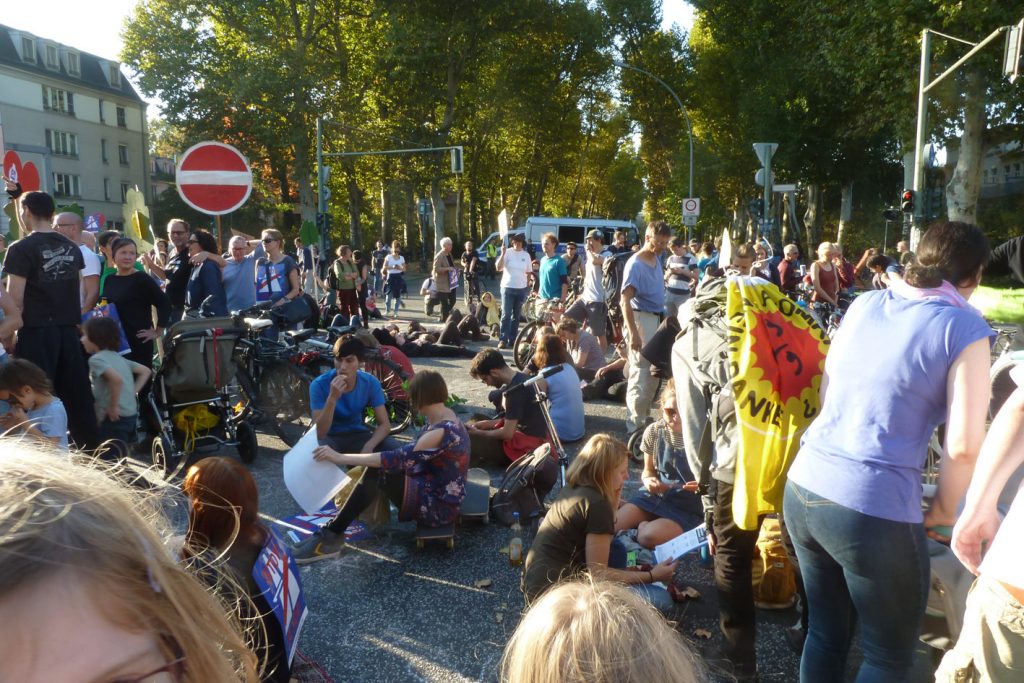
595,234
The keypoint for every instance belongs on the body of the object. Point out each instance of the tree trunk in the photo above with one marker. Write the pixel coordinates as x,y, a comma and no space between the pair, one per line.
386,227
355,208
845,211
812,217
964,186
439,213
542,186
410,216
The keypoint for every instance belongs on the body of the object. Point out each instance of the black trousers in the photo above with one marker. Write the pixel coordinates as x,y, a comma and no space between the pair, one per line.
733,559
58,353
364,493
447,303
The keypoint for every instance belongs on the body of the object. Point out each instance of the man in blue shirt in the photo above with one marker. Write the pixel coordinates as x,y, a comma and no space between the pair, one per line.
643,303
339,399
239,273
553,273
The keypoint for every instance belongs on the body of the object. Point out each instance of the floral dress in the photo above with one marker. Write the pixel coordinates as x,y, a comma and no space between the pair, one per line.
435,479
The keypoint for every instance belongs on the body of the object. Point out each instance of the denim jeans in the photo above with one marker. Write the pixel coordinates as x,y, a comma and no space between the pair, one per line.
858,566
512,301
656,595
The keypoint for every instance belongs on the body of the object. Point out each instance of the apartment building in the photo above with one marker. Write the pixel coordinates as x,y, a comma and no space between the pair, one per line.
75,118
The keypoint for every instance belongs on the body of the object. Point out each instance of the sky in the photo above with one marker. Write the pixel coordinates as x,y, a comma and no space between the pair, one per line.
95,27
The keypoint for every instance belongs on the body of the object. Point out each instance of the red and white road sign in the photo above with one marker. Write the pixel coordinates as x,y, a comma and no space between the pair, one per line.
214,178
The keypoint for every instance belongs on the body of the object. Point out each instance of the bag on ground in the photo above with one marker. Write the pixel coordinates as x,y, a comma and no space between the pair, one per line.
525,485
773,575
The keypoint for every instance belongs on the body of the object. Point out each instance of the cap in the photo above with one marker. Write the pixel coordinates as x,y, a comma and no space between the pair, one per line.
595,234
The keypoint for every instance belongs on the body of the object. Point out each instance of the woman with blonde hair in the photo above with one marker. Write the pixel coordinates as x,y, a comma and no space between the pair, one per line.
277,274
576,534
596,632
87,590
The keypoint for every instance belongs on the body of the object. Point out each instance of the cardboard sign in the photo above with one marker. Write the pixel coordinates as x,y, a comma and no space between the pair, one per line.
277,575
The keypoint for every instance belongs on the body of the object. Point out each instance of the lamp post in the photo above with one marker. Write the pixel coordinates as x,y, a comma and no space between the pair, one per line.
689,127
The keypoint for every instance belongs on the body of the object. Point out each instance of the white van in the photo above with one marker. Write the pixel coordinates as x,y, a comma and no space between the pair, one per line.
566,229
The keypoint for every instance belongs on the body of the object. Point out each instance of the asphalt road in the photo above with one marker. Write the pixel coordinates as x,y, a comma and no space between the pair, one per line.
385,611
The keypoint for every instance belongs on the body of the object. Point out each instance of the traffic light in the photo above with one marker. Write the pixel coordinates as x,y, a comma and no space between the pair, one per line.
756,208
907,201
456,154
933,202
321,222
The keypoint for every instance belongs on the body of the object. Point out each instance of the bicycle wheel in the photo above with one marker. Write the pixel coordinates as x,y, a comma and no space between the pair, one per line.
395,384
283,400
524,346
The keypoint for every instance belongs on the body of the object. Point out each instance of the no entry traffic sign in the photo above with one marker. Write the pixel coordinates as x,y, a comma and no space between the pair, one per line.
214,178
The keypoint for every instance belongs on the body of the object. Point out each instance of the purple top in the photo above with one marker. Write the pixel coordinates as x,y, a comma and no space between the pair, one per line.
887,370
435,479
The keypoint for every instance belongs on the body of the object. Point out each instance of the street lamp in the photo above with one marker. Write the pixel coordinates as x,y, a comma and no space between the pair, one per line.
689,127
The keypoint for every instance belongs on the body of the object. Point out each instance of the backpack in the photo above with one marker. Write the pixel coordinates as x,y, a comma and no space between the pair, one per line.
612,271
700,366
525,485
773,575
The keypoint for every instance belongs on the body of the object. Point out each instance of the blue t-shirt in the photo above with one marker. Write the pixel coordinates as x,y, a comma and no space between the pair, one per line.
52,421
350,410
240,280
648,283
887,369
566,400
553,273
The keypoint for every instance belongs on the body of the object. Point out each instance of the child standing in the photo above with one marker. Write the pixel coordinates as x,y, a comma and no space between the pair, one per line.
116,381
35,411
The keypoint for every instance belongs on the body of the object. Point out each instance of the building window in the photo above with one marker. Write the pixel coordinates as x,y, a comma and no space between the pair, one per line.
115,75
64,144
122,154
1016,170
106,189
55,99
122,120
65,185
52,61
28,49
74,66
103,150
102,118
124,192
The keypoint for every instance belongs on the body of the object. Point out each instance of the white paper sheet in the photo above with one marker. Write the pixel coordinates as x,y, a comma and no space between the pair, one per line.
685,542
503,224
311,483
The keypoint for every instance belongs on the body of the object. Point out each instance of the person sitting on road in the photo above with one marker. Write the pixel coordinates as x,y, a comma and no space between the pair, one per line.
339,399
596,632
584,348
89,593
669,503
576,534
521,429
610,380
425,479
562,388
224,539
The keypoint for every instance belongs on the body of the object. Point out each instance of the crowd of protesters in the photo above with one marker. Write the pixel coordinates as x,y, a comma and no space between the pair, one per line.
853,503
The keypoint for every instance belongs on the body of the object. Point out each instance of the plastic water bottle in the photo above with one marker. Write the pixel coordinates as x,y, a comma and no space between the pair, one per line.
515,544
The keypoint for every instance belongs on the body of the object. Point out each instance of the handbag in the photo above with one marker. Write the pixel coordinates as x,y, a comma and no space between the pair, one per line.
108,310
295,311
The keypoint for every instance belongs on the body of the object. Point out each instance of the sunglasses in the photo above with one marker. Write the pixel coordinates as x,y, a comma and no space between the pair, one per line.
268,240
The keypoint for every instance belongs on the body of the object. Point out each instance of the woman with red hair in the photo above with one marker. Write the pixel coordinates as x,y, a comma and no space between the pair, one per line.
225,534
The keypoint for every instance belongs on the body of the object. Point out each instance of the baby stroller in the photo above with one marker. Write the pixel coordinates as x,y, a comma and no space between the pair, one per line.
191,399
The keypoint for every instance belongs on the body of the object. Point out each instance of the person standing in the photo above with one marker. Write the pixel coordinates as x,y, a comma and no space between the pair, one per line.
553,274
394,270
205,290
492,255
69,224
240,273
346,274
136,294
592,307
44,281
573,262
515,266
277,275
470,268
307,266
380,253
442,272
680,271
789,269
825,277
179,267
643,301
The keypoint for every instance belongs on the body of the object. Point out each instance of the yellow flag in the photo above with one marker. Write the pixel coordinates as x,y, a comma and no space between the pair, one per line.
777,356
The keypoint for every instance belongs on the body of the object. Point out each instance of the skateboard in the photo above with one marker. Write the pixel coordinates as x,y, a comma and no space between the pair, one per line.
441,533
477,503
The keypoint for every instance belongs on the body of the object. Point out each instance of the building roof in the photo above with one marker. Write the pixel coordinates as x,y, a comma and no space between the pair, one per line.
91,66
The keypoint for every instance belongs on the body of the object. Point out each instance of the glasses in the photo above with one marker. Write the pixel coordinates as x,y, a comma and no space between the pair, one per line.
193,241
179,232
66,225
268,240
171,672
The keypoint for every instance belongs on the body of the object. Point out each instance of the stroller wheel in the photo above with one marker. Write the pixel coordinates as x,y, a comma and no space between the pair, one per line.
635,439
167,458
247,446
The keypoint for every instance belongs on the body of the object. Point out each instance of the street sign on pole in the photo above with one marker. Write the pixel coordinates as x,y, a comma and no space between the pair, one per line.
765,151
760,179
214,178
1011,53
691,207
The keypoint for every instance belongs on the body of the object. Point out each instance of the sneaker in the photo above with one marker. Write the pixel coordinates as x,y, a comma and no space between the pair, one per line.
323,545
502,345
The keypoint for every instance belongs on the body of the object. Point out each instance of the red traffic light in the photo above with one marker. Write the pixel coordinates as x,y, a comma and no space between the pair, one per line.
907,201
